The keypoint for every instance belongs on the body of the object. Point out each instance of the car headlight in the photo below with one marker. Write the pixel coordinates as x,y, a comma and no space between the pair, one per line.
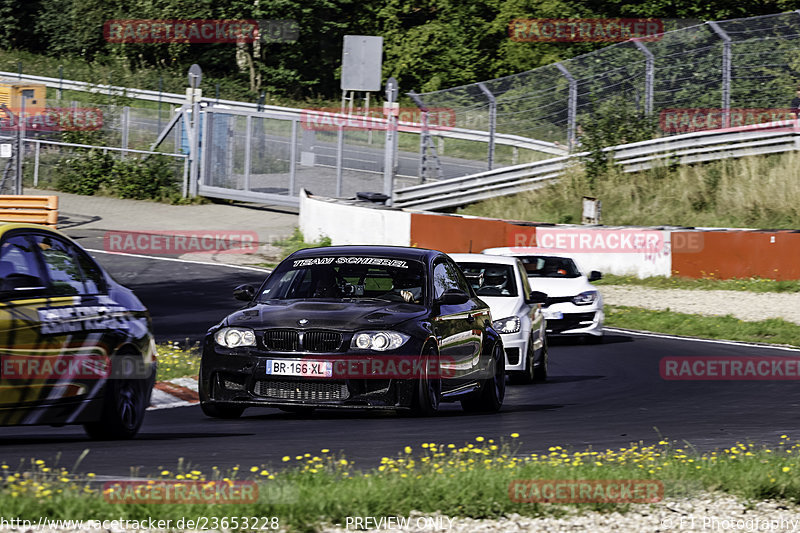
235,337
507,325
585,298
379,341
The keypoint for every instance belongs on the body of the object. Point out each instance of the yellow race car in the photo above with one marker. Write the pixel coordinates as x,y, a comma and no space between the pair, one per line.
76,347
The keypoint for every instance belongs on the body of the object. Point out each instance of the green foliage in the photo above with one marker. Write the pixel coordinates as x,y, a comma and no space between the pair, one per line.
758,191
97,172
614,121
84,174
429,44
296,241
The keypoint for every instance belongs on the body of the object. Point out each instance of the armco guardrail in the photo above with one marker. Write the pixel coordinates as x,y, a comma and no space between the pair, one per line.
757,139
514,141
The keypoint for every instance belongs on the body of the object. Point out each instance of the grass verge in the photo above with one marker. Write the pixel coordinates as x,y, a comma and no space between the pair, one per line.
760,192
736,284
313,488
178,360
772,330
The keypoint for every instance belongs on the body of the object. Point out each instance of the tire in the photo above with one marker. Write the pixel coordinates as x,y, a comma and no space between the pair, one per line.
297,409
427,391
540,373
227,412
124,406
493,390
525,377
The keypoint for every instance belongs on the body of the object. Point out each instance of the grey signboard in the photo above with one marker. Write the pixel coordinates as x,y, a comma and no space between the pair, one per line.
362,57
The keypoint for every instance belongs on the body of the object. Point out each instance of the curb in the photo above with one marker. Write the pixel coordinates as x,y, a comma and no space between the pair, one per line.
178,392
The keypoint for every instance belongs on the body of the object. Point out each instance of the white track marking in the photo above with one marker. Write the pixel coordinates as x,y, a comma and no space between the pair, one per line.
696,339
176,260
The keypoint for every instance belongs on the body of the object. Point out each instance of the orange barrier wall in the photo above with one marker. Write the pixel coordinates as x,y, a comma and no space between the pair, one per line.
739,254
457,234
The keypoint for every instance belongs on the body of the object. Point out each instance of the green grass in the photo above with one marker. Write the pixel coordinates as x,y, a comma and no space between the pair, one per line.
772,330
296,242
675,282
178,360
750,192
460,480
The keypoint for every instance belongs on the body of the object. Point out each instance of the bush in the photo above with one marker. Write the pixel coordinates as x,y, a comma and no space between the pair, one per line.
96,172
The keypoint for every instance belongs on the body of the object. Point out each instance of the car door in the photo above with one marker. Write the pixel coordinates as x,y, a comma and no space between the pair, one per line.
458,328
47,356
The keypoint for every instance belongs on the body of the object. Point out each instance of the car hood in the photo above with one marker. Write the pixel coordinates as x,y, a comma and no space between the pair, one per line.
502,307
341,316
561,286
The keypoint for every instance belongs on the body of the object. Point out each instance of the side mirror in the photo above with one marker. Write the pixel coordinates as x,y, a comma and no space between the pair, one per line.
537,297
244,292
594,275
453,297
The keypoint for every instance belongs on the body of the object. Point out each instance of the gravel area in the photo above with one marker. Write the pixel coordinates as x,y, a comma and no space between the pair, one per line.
702,513
699,513
751,306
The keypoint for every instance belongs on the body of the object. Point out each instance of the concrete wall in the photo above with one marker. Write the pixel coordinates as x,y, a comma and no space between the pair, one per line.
352,224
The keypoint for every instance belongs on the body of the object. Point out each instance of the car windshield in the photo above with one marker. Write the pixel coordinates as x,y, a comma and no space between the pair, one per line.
488,279
351,277
541,266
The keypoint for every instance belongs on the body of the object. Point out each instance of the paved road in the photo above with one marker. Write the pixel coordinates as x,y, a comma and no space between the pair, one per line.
602,396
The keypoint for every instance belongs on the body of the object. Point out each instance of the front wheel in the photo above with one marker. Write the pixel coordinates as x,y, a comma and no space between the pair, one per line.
540,372
428,388
493,390
124,407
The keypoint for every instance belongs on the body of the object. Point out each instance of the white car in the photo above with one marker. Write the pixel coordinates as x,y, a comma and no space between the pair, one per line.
574,305
501,283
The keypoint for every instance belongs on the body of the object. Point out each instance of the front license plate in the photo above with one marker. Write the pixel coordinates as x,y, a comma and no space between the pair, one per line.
314,369
552,315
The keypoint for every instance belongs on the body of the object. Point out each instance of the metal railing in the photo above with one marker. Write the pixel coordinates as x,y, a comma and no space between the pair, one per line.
688,148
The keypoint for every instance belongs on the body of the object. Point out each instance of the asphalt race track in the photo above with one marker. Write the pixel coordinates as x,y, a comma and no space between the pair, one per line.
604,396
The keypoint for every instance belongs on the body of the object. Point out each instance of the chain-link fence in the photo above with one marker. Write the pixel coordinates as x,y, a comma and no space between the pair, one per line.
705,76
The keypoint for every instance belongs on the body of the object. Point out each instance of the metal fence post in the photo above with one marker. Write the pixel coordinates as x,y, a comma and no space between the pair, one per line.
126,122
649,75
293,158
429,159
248,141
36,165
339,160
726,72
572,105
492,121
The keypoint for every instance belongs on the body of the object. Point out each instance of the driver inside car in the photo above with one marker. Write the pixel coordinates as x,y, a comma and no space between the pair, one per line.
495,281
408,285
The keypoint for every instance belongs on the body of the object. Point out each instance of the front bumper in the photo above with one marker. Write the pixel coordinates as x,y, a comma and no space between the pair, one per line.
516,346
241,379
576,320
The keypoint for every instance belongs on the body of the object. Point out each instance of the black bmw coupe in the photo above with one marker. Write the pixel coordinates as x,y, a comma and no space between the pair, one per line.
376,327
